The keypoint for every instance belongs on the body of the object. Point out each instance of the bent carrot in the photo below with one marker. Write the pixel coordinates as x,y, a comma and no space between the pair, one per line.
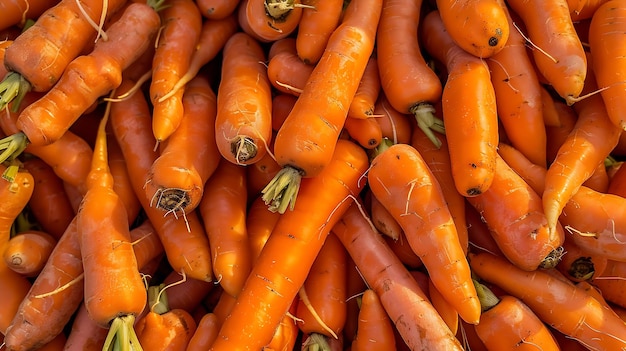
243,127
561,305
305,142
275,280
413,196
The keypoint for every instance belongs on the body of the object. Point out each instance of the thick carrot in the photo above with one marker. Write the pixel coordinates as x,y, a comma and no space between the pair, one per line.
588,144
243,127
607,32
38,57
362,105
518,96
27,252
558,52
321,307
16,13
217,9
611,282
506,323
365,131
416,320
269,20
274,280
184,239
223,212
375,331
49,203
469,109
316,25
305,142
178,39
286,71
559,304
480,28
403,183
190,155
583,9
409,84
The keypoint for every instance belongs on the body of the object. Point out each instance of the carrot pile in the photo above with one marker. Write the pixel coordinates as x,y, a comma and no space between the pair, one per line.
353,175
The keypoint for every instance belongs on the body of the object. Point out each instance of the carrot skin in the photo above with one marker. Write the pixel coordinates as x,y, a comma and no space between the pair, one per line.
375,330
27,252
315,28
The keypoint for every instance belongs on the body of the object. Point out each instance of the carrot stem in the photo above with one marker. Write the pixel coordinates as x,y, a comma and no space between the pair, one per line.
486,297
121,336
428,122
13,88
11,147
282,190
315,342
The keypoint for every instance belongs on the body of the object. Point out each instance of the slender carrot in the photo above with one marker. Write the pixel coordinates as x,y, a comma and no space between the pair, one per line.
409,84
243,126
223,212
365,131
205,334
506,323
382,219
274,280
190,155
27,252
416,320
533,174
269,20
606,33
260,223
121,180
414,197
184,239
362,105
599,179
375,331
469,109
305,142
38,57
556,135
558,51
319,20
17,12
562,305
548,108
178,38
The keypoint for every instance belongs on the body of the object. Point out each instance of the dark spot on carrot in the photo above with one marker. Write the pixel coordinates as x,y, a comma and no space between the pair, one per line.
397,157
172,199
493,41
372,142
473,191
291,236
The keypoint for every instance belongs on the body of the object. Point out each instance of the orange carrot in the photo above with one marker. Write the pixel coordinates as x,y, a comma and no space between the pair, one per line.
611,282
269,20
469,109
578,264
414,197
274,281
17,12
319,20
365,131
375,331
185,294
383,220
260,223
362,105
533,174
27,252
178,39
205,334
217,9
286,71
243,126
85,334
583,9
394,125
305,142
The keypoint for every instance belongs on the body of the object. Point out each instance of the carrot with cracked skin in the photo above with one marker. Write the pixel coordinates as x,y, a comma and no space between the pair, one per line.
269,20
177,41
274,281
557,49
189,156
383,220
319,20
402,181
409,84
184,239
27,252
305,142
243,127
37,58
560,304
606,36
416,320
469,109
223,209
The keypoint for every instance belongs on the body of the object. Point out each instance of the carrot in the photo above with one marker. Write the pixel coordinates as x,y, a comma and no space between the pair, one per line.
375,331
518,96
556,135
362,105
365,131
269,20
282,103
223,212
558,52
596,222
322,299
606,32
27,252
583,9
16,13
85,334
305,142
411,188
319,20
617,184
286,71
578,264
260,173
40,55
190,155
205,334
3,47
409,84
611,282
563,306
184,241
181,26
468,99
533,174
588,144
467,335
121,180
394,125
416,320
260,223
49,203
599,179
286,334
185,294
382,219
548,108
244,102
506,323
274,281
164,328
